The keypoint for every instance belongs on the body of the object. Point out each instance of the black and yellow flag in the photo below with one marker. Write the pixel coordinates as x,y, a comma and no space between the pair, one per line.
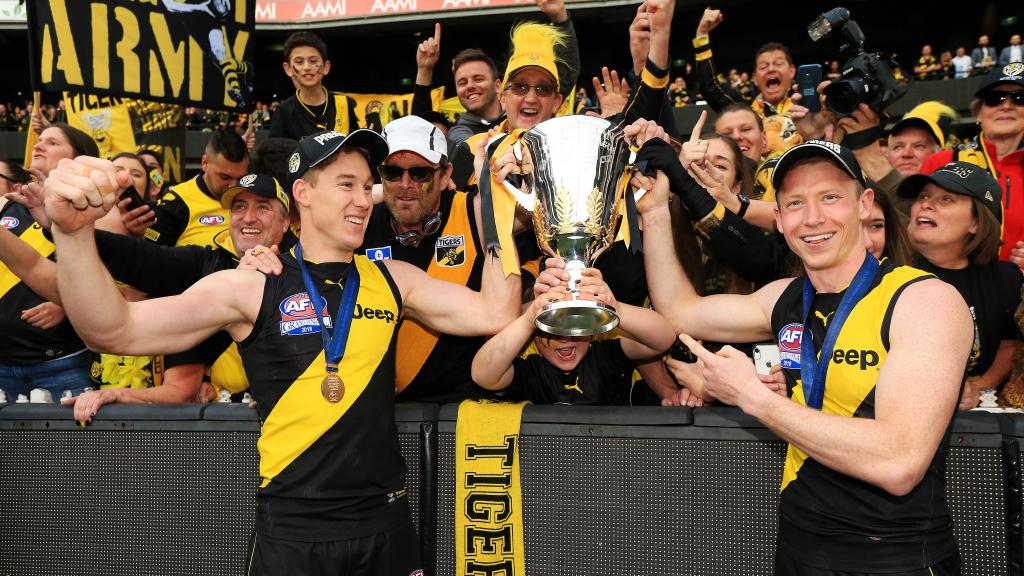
194,53
128,125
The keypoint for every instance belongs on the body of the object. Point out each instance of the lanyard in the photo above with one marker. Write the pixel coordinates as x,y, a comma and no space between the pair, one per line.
814,368
334,345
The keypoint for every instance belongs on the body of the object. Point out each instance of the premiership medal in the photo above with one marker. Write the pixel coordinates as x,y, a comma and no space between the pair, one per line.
332,387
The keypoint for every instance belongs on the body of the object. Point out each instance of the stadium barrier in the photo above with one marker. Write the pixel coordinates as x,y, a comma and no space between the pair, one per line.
169,490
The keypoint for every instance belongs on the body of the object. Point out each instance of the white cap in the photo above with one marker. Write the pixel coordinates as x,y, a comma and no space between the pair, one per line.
414,134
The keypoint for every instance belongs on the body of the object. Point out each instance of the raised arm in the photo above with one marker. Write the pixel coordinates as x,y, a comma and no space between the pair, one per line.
80,191
492,365
451,308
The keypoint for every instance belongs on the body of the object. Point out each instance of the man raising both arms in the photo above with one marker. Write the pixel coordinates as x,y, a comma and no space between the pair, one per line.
318,345
863,489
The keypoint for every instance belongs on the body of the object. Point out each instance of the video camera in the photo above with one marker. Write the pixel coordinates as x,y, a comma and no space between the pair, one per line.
875,79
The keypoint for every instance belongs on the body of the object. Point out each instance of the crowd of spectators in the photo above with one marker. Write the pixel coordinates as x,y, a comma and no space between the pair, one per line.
963,64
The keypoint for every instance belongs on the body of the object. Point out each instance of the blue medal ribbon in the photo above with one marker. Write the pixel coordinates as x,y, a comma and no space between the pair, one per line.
334,344
814,368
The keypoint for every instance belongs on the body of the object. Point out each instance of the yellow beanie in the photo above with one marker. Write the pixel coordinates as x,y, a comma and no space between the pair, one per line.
933,116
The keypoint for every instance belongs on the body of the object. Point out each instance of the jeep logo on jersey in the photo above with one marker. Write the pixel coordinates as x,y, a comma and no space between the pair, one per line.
864,358
211,220
790,338
298,316
9,222
379,253
373,314
450,251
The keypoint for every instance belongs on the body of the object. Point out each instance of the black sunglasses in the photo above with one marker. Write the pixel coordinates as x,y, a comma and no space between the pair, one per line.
417,173
997,98
8,178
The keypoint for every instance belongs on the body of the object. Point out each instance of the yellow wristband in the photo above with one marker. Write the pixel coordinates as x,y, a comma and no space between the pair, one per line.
701,41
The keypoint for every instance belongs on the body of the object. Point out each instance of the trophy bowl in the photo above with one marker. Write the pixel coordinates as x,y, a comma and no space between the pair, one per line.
579,178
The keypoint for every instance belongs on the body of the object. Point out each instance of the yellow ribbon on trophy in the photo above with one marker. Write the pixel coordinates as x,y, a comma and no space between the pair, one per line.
488,496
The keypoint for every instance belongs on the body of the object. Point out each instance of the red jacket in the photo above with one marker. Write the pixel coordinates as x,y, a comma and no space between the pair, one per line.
1009,172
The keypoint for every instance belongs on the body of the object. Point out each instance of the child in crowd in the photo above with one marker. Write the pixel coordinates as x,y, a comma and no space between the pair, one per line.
569,370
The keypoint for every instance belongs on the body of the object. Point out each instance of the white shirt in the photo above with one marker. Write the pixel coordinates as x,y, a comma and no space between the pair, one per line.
963,65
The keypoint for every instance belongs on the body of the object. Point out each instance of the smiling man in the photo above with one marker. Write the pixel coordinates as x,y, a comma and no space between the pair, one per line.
437,230
872,374
318,342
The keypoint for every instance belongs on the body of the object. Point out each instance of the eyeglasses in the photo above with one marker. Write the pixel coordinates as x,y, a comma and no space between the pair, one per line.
417,173
520,89
997,98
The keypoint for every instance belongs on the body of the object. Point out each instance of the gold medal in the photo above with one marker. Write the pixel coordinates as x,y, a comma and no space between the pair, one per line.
332,387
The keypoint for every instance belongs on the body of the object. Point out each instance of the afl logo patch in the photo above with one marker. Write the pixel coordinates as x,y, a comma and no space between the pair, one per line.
211,220
293,163
450,251
790,338
299,317
247,180
9,222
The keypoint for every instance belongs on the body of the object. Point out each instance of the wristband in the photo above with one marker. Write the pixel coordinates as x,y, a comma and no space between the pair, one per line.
744,204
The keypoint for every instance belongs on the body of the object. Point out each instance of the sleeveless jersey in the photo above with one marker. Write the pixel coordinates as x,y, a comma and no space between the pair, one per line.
21,342
826,518
327,471
433,366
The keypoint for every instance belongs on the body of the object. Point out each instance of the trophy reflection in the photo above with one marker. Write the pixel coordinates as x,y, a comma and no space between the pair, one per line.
577,186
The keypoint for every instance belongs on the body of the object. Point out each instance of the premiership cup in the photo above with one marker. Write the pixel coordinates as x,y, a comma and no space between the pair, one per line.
578,181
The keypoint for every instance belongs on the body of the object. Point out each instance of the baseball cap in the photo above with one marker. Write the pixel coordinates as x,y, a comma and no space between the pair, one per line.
1012,73
319,146
959,178
414,134
258,184
839,155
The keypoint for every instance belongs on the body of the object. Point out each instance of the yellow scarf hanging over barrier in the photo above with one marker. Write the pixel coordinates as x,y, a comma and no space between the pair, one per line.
488,497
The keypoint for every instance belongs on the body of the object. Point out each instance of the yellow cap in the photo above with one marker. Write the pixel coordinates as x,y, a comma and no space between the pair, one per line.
533,45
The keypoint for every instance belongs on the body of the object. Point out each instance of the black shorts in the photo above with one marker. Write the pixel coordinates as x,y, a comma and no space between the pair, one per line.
786,565
395,552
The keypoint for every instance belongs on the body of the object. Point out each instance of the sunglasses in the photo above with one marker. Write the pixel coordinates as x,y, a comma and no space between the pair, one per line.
997,98
521,89
417,173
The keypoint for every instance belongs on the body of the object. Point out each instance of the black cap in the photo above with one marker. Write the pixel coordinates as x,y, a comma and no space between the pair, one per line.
258,184
959,178
319,146
841,156
1012,73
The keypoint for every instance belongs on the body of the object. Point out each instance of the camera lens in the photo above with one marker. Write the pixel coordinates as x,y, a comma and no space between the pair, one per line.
843,96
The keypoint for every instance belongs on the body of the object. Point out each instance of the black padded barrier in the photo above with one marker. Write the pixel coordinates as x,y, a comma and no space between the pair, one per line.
634,492
160,490
168,490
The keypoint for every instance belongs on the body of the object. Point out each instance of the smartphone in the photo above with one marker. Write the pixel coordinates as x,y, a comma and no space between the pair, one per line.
134,200
765,357
680,352
156,178
808,76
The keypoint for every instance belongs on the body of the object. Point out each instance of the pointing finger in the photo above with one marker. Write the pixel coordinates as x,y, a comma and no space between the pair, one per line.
698,350
698,128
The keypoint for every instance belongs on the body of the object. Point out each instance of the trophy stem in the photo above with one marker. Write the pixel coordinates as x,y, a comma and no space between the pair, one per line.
575,270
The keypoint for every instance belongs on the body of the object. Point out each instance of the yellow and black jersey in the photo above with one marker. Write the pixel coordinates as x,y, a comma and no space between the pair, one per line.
294,119
188,214
21,342
433,366
826,518
328,471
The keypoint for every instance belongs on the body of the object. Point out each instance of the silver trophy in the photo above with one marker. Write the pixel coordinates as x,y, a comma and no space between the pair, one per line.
579,164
